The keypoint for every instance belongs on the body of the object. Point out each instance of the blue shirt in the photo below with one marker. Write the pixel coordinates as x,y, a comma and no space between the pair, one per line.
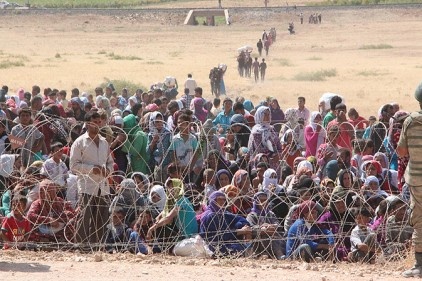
223,120
300,234
186,218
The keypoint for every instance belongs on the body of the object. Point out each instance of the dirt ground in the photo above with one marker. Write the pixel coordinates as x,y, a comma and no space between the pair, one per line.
16,265
72,50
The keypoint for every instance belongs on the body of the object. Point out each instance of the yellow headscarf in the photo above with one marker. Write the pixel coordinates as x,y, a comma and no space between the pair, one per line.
179,188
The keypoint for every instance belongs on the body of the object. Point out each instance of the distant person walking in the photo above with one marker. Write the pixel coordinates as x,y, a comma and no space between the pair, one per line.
263,68
267,44
255,66
260,46
219,4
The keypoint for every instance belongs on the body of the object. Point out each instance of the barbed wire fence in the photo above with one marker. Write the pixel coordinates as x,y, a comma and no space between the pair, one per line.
135,205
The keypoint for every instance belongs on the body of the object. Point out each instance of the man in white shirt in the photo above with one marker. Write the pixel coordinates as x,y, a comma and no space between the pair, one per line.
91,162
190,84
302,111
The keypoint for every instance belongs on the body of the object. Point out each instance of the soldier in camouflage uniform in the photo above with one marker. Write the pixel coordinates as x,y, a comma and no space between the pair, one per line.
410,144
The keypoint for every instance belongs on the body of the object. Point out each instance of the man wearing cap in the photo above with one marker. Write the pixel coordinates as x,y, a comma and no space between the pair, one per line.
222,121
410,144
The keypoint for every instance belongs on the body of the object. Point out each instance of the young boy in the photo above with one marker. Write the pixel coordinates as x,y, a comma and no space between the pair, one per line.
118,231
55,169
183,146
216,109
138,236
209,182
16,227
363,240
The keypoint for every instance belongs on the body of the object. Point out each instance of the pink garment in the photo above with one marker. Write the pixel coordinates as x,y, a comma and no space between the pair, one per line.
311,140
344,139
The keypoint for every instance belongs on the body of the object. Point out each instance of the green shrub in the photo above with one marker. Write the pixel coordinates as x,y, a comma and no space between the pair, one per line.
120,84
319,75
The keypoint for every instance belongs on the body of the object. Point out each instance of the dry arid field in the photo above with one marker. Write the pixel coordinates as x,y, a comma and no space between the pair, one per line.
373,54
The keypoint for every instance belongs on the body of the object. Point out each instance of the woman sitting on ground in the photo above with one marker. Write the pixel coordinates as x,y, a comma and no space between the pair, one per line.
222,230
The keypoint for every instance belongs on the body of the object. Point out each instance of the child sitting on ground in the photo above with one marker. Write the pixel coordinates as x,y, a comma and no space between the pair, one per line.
399,232
137,238
118,231
15,227
363,240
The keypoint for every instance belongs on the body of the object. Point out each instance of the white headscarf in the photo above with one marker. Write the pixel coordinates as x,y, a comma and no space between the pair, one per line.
379,191
6,164
268,180
314,115
152,117
305,164
262,127
159,189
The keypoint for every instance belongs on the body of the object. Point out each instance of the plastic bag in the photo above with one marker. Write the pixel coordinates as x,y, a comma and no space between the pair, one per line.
192,247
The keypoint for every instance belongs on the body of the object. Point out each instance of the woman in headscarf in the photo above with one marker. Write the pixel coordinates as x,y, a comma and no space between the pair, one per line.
243,204
270,182
328,150
142,185
265,228
293,169
198,109
136,145
223,178
374,168
159,140
344,181
248,105
178,211
396,124
263,138
241,133
340,221
292,122
223,230
372,192
157,199
314,134
131,102
389,175
291,149
305,238
129,199
277,115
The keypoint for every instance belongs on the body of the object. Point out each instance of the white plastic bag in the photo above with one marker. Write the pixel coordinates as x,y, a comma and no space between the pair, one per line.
192,247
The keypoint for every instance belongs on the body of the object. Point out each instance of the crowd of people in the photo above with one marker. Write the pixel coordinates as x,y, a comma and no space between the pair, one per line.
153,172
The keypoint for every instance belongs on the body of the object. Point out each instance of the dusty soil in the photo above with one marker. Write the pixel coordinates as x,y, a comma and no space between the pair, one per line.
82,41
73,266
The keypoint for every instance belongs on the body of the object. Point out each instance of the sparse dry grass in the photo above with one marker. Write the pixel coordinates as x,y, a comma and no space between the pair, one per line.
375,47
319,75
149,50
